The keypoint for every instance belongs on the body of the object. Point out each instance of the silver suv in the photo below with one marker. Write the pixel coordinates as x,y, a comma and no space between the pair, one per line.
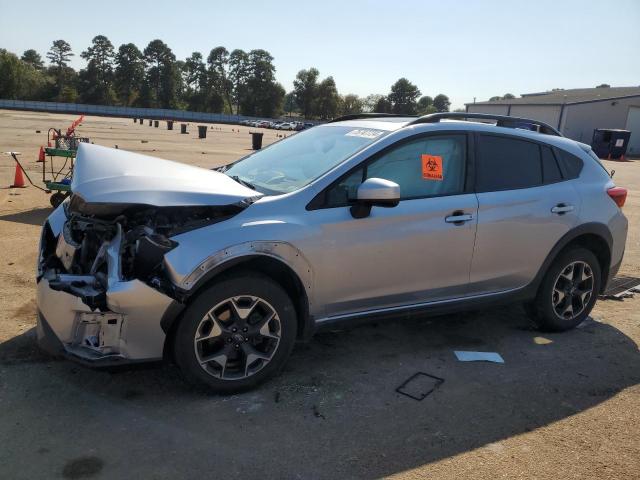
367,216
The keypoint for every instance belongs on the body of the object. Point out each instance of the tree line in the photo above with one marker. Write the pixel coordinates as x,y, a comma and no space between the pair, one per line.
236,82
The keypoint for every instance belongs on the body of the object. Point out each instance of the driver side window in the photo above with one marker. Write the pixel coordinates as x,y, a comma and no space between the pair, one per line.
425,167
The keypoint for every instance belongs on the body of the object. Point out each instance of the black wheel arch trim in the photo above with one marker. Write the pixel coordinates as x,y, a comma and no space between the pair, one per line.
176,308
591,228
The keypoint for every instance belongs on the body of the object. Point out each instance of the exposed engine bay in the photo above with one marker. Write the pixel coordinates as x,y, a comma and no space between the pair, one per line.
100,243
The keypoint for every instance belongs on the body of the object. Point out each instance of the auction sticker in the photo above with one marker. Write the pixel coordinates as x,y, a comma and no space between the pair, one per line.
364,133
432,167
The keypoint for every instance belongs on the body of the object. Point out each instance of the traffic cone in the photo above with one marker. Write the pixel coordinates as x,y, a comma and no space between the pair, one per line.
18,180
41,155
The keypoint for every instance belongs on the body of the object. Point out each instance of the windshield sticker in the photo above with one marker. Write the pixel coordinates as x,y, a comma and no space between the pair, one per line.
432,167
364,133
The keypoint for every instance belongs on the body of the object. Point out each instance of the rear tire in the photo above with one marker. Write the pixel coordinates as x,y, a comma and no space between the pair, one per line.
568,291
236,334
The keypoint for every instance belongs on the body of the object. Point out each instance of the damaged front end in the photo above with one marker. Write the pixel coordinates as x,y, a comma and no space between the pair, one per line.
102,284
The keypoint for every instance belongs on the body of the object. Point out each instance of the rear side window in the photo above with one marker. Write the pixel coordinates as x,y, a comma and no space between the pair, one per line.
571,164
550,170
507,164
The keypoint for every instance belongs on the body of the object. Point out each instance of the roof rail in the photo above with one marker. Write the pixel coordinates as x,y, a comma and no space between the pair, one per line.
356,116
501,121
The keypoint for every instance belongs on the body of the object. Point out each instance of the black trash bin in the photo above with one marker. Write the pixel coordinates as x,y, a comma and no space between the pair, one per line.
142,121
169,124
135,120
156,123
202,131
183,128
256,140
150,122
610,143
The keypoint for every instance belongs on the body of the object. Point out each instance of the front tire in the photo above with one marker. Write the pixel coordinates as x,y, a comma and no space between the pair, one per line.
236,334
568,291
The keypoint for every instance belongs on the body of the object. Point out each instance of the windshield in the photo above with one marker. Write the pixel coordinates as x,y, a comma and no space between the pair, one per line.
291,164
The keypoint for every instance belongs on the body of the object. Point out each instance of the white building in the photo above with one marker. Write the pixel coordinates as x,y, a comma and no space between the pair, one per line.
576,112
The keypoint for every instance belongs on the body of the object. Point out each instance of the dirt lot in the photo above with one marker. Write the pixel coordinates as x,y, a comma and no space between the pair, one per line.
562,406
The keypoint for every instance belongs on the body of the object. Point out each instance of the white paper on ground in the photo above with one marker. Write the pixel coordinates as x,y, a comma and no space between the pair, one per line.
478,356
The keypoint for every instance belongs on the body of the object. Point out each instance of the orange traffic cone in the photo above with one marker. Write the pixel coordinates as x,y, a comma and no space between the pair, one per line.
18,180
41,155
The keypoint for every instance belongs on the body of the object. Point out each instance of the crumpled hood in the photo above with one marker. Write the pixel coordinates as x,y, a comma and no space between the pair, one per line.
108,175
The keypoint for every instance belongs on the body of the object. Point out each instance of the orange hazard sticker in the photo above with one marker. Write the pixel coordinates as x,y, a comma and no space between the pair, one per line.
432,167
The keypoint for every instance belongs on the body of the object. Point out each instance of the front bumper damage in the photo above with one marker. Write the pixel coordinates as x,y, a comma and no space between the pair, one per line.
80,318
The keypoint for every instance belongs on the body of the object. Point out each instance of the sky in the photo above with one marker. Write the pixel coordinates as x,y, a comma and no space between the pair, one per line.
464,49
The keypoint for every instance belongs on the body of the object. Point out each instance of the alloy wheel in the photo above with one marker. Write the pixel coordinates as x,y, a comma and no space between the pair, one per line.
572,290
237,338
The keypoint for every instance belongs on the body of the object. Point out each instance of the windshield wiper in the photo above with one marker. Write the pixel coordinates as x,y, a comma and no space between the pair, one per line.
243,182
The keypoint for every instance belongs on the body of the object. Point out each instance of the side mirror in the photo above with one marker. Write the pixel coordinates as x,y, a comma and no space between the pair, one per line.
376,192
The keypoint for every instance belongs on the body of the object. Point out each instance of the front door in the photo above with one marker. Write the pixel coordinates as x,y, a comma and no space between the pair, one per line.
419,251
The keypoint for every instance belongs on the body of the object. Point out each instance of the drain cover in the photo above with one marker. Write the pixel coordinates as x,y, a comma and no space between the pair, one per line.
419,385
621,285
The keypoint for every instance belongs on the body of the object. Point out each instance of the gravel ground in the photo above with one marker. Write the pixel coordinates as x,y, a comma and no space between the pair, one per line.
562,406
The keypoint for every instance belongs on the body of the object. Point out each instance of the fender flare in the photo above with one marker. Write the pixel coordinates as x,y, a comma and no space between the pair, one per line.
591,228
227,258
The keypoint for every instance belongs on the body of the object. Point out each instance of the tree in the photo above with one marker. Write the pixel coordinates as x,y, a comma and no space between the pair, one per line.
129,73
383,105
33,58
604,85
19,80
238,76
263,95
508,96
370,101
403,97
221,86
59,56
196,82
290,103
161,75
441,102
96,80
305,87
425,105
327,99
351,104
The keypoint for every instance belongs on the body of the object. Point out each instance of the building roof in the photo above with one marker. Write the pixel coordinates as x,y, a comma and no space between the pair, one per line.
574,95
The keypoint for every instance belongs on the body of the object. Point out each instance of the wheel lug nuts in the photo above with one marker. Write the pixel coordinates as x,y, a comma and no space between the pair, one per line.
237,346
246,339
229,340
234,329
245,329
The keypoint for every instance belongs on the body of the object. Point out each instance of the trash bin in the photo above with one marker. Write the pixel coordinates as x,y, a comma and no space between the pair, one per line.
256,140
169,124
202,131
610,143
183,128
150,122
142,121
156,123
135,120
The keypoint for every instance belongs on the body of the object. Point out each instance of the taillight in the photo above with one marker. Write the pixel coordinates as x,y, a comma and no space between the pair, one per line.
618,195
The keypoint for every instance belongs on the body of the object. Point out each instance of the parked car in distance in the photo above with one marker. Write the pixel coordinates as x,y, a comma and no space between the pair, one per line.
371,216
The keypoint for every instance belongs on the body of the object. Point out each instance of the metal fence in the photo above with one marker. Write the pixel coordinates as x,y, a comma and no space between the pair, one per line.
131,112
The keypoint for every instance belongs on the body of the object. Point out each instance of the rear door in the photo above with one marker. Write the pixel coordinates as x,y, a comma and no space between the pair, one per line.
525,205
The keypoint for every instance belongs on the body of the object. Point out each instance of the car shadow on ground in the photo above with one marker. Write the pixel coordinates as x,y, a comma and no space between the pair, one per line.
36,216
332,413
